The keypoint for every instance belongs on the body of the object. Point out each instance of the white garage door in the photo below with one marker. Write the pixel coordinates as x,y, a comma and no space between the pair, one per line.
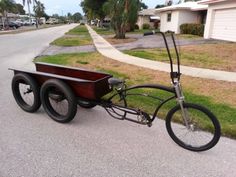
224,25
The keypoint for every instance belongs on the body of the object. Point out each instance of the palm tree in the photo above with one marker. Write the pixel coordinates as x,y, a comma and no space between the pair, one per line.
39,10
28,4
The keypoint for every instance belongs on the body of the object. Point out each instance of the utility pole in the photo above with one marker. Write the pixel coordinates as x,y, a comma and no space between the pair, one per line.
28,4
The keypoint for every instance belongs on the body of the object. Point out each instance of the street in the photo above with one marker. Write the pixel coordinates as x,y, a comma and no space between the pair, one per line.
93,144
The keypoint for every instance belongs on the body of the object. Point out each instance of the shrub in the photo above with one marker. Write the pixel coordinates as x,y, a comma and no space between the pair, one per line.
192,28
136,27
146,26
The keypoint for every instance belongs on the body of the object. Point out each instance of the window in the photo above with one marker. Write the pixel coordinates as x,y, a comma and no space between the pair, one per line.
168,17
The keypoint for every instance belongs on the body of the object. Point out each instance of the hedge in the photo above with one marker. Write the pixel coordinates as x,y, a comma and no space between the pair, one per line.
192,28
146,26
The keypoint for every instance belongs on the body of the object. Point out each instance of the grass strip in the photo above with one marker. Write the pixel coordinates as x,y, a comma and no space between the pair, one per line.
77,36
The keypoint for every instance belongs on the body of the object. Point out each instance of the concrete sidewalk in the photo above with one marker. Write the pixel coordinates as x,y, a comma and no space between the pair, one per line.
109,51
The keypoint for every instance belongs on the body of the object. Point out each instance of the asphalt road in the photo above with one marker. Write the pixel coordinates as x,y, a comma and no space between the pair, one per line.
93,144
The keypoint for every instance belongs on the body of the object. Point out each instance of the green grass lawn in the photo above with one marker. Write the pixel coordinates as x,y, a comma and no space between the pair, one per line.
79,30
73,41
211,56
78,36
225,112
104,31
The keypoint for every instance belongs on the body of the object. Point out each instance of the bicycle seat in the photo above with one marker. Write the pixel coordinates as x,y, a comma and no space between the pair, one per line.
115,82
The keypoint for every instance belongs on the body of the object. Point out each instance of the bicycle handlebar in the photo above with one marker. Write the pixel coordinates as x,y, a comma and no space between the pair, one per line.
174,75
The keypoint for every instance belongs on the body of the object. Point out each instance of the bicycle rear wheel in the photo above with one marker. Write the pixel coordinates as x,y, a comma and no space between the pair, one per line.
199,132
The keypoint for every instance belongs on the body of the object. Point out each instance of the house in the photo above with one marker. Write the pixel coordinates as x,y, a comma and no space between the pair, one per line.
221,19
173,16
148,16
52,21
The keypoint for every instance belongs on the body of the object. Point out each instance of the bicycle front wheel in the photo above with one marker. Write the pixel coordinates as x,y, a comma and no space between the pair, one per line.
198,131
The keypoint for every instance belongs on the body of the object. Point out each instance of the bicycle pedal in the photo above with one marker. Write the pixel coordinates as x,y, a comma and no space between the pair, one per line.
143,117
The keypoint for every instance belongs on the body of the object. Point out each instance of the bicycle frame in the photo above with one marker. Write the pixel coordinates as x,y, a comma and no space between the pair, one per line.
176,90
123,94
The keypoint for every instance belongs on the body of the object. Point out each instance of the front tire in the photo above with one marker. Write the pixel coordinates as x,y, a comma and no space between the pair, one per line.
203,130
58,100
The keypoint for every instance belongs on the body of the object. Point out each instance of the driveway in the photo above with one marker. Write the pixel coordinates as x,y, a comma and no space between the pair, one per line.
156,41
141,43
93,144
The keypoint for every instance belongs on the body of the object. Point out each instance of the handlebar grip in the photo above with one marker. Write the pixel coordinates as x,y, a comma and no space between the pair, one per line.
149,33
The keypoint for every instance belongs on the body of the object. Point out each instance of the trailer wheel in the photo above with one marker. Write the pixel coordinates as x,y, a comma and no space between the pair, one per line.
26,92
58,100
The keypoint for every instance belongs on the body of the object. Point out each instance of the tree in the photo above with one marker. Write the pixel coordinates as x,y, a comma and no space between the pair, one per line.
55,15
93,9
69,16
122,13
5,7
19,9
132,12
160,6
142,6
39,10
28,4
77,17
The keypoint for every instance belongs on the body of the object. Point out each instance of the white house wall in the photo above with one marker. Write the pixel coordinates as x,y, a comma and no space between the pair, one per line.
172,25
178,18
144,20
188,17
211,15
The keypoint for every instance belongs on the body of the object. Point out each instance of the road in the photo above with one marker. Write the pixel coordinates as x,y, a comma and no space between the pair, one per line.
93,144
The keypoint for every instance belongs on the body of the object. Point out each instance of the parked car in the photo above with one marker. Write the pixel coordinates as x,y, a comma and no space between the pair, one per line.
29,23
19,22
106,23
13,25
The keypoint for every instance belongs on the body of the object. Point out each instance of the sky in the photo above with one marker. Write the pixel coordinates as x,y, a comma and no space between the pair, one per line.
62,7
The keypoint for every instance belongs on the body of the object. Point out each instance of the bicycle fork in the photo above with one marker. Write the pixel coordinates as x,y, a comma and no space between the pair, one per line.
180,100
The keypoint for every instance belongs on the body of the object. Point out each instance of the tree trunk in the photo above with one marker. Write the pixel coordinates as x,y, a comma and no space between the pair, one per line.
6,20
120,31
120,35
3,25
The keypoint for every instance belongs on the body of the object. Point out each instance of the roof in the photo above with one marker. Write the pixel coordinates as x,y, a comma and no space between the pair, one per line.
148,12
12,15
192,6
155,18
210,1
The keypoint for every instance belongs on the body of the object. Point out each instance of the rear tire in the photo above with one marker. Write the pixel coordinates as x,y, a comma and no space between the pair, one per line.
58,100
203,132
26,92
86,104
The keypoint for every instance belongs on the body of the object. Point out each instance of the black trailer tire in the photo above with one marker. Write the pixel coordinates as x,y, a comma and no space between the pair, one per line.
58,100
204,126
86,104
24,89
